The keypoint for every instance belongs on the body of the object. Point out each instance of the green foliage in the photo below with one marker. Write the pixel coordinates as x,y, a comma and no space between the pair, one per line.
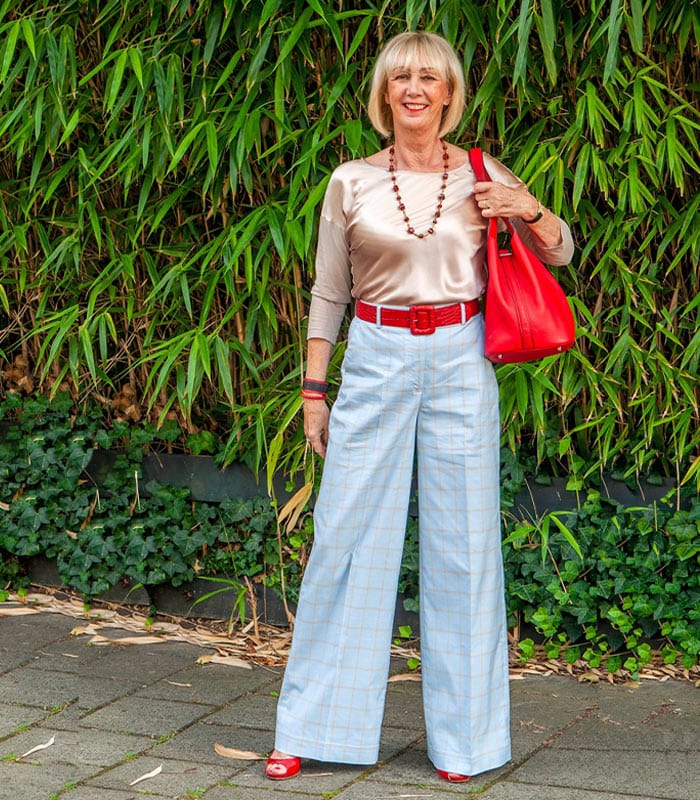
631,575
100,534
162,166
11,575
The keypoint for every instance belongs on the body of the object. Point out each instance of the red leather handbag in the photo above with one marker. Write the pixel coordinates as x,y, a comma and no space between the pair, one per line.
526,313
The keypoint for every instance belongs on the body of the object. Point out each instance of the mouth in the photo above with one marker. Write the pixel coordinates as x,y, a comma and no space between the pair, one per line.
415,106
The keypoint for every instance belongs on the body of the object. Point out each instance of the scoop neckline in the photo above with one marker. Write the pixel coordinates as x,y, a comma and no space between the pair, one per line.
414,171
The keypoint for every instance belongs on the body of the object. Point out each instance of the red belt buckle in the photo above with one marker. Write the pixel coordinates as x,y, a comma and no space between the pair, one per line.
421,320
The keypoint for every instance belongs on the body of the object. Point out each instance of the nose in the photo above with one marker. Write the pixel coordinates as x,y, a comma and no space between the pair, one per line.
413,84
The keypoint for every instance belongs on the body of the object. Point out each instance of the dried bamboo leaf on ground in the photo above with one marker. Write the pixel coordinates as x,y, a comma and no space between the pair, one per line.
84,630
405,677
151,774
17,611
37,748
98,639
229,661
238,755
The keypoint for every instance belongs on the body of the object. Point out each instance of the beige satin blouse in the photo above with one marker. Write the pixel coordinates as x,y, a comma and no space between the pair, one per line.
365,252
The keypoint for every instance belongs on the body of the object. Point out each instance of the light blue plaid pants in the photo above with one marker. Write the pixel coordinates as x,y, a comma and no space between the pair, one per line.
400,392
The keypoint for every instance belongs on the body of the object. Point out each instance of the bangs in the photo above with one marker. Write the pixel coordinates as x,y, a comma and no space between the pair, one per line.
415,57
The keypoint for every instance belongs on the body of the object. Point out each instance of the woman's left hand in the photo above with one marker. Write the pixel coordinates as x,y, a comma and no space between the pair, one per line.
497,200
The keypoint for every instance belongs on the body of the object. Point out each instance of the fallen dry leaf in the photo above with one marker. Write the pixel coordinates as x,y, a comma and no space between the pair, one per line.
151,774
99,614
164,627
590,677
399,796
17,611
175,683
79,630
406,676
129,640
230,661
37,748
36,599
238,755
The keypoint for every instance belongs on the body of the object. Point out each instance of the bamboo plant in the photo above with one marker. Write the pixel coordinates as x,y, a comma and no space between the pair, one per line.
162,166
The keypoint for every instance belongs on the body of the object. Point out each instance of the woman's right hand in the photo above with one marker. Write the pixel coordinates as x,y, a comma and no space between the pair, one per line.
316,417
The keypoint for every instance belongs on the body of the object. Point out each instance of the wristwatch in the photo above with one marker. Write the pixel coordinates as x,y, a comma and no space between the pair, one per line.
538,215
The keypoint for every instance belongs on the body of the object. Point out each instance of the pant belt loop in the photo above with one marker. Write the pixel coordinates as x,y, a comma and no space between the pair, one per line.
463,312
379,317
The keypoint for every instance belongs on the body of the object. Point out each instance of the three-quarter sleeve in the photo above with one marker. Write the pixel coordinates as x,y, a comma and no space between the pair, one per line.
332,287
559,255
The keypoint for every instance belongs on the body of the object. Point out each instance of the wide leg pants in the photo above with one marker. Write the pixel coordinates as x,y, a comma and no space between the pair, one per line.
401,391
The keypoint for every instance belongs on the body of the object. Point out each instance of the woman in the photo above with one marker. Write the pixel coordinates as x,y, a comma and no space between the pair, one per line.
402,234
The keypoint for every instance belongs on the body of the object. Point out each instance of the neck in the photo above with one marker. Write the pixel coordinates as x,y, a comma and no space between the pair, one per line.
423,153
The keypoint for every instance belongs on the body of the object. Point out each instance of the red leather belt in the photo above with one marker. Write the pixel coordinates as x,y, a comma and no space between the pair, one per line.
421,320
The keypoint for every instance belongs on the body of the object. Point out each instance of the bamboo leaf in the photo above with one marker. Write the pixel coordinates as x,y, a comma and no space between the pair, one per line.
295,34
28,33
548,38
212,146
635,26
614,26
567,534
213,29
136,64
221,355
293,508
185,144
523,33
115,80
8,51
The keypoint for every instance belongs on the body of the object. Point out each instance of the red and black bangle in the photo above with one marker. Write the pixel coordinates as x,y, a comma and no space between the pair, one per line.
314,390
315,386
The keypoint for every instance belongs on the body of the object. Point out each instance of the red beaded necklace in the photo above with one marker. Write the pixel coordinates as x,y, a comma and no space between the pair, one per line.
441,196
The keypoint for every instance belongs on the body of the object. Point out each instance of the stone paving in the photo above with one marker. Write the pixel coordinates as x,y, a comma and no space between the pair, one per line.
117,713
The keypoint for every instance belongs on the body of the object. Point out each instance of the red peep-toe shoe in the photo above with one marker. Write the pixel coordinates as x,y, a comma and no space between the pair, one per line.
281,769
453,777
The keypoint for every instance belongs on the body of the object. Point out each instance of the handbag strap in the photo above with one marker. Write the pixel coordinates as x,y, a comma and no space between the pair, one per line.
476,158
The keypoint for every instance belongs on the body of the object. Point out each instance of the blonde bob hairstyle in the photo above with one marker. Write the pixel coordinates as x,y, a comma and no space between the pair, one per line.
416,50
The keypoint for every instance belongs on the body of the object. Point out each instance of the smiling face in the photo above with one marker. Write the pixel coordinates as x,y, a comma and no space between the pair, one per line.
417,97
438,88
